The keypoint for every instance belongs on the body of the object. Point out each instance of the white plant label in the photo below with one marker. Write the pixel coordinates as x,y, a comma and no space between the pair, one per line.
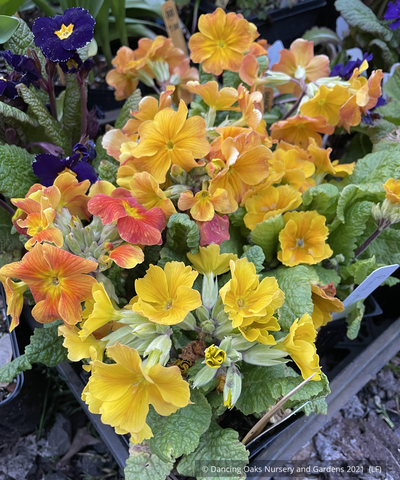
370,284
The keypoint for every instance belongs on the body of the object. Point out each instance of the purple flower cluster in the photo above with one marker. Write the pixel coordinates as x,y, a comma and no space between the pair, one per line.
393,13
346,71
59,37
25,71
47,167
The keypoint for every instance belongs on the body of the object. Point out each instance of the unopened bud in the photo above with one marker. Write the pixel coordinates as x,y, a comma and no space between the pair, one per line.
205,375
214,356
160,349
189,322
264,355
209,292
232,387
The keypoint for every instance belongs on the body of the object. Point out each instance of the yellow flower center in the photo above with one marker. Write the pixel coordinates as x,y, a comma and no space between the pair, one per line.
56,281
240,303
131,211
170,145
2,78
322,101
300,242
168,305
221,43
267,208
64,31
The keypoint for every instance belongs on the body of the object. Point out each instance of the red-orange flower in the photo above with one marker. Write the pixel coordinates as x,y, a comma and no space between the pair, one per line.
222,41
135,224
57,282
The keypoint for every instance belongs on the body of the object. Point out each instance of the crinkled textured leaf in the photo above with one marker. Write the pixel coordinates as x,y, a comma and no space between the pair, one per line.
360,146
321,35
381,49
16,174
144,465
8,241
108,171
236,218
71,118
15,117
359,270
183,234
354,320
266,235
254,254
235,242
217,444
343,239
231,79
326,275
46,346
168,255
295,282
52,128
379,131
363,18
390,112
216,401
180,432
385,248
131,104
11,370
322,198
372,192
392,86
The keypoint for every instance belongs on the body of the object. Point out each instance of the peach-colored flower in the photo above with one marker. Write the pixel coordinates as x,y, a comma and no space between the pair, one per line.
222,41
124,81
203,205
392,189
298,130
216,99
323,165
325,303
299,62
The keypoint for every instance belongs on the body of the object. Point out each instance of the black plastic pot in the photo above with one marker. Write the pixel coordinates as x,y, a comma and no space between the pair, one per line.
285,24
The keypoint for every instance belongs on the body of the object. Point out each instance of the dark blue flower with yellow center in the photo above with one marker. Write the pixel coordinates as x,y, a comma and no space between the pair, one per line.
47,167
60,36
393,13
346,71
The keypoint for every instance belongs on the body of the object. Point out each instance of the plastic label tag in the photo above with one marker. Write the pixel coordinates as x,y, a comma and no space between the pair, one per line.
268,98
173,25
370,284
222,3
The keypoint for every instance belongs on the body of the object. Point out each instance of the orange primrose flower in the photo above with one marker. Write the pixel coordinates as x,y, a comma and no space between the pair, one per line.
298,130
117,143
216,99
135,224
299,63
325,303
57,282
203,205
222,41
171,138
303,239
323,164
124,80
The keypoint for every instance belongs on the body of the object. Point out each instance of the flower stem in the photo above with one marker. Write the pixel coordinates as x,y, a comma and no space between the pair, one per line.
382,225
156,89
53,108
295,106
83,108
7,207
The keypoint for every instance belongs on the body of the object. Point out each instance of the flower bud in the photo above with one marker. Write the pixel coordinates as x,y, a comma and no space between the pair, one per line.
160,70
214,356
209,292
72,244
175,191
377,212
264,355
241,344
189,322
232,387
145,77
276,78
208,326
162,345
202,314
205,375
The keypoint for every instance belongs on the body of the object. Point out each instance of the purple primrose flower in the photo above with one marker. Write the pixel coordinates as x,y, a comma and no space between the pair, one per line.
7,87
23,65
393,13
346,71
47,167
60,36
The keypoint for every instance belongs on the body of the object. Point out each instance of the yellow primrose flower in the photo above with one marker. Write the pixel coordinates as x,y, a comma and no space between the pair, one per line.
216,99
77,347
166,296
270,202
326,103
148,193
303,239
204,205
210,260
258,328
325,303
15,299
299,344
245,296
170,139
214,356
122,392
392,188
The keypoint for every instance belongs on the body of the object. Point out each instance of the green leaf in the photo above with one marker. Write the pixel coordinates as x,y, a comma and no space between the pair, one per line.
180,432
359,270
381,49
360,146
13,116
145,465
216,445
108,171
343,240
168,255
8,241
46,346
321,35
392,86
380,130
356,193
71,118
235,242
360,16
183,234
8,25
52,128
354,320
327,275
16,174
11,370
266,235
231,79
390,112
322,198
385,248
205,77
254,254
131,104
